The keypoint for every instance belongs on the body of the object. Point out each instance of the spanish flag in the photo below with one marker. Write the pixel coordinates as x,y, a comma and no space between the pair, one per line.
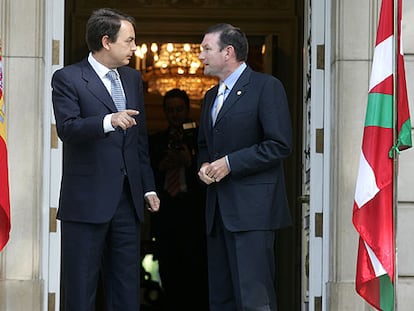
4,176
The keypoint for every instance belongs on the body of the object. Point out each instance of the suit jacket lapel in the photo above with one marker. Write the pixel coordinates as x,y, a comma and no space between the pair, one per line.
236,93
128,88
96,87
211,96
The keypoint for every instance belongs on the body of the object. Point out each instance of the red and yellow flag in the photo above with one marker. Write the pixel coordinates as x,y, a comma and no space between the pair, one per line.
4,176
374,196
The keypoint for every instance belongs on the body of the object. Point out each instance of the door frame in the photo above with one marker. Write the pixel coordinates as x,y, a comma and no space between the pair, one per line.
55,16
52,157
317,215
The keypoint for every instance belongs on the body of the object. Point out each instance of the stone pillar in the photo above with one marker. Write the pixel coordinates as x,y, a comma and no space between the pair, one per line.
23,66
354,22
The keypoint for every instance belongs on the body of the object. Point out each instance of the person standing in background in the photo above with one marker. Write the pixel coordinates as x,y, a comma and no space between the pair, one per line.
179,227
107,177
245,133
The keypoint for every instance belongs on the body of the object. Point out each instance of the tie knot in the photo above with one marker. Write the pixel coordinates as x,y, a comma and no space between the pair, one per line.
222,88
112,75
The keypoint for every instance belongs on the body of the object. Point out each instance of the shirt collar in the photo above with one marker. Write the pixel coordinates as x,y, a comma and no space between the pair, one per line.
231,80
100,69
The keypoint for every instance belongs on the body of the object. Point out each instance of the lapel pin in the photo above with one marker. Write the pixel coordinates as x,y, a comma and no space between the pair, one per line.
239,93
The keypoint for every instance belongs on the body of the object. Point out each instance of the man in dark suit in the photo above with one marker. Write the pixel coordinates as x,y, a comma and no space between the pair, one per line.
241,152
106,167
179,227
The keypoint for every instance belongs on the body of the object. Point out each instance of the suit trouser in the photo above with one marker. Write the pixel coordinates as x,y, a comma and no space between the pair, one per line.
112,249
241,269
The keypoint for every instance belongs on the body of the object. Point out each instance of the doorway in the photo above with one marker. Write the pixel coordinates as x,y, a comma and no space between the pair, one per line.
280,25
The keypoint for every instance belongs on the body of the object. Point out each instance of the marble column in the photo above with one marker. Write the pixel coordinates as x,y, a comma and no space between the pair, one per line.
21,28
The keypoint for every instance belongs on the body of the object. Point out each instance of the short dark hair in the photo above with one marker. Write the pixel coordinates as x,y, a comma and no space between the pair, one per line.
104,22
177,93
230,35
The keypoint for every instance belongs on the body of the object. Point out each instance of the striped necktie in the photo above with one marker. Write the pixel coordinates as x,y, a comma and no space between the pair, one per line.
219,101
172,181
116,90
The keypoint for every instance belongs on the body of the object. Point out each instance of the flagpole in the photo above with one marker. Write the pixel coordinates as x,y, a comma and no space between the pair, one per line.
395,151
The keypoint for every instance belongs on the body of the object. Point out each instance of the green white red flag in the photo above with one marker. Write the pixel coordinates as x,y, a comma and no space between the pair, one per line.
4,176
374,196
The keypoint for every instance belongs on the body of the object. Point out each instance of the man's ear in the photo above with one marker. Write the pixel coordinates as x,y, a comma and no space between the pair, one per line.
106,42
229,51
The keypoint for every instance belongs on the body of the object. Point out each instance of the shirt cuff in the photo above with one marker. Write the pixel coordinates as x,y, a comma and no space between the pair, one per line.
228,163
107,125
149,193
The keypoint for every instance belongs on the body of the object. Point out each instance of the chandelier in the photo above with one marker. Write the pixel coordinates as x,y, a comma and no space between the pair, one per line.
173,65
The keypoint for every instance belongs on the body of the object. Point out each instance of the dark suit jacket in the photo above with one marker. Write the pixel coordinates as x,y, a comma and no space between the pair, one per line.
186,208
94,162
253,129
